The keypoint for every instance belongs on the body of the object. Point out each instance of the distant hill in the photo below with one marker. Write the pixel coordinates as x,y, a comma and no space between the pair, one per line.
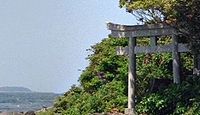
14,89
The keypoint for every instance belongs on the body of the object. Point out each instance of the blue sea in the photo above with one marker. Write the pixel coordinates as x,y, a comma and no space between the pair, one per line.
27,101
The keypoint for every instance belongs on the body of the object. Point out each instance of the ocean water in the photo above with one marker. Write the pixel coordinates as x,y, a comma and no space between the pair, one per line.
32,101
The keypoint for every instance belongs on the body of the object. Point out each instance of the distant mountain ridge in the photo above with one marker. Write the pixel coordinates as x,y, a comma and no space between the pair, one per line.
14,89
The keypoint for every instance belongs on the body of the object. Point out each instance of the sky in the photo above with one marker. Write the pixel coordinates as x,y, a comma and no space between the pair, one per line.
43,42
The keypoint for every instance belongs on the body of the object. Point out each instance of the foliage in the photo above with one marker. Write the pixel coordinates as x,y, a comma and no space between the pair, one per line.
151,66
150,11
176,99
82,103
105,65
72,95
188,22
184,15
112,96
152,104
103,84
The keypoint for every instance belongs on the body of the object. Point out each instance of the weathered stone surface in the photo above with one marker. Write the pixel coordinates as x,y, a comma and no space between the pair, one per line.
30,113
11,113
140,30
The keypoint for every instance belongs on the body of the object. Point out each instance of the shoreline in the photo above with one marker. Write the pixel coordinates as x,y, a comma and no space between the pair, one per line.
32,112
17,113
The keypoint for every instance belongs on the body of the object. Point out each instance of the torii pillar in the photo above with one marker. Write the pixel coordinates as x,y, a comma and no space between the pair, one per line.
131,76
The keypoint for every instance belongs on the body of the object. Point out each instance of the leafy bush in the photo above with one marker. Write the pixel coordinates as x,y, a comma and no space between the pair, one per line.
105,99
151,104
176,99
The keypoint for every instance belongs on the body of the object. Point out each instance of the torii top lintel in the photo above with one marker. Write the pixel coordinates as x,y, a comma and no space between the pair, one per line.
149,30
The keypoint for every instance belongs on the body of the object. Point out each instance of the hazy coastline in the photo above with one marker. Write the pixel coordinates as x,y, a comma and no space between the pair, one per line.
20,99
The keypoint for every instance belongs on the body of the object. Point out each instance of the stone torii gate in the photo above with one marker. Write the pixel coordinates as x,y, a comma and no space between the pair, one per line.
151,31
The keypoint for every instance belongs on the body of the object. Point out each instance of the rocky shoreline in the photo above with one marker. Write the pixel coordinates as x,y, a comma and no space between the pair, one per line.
18,113
26,113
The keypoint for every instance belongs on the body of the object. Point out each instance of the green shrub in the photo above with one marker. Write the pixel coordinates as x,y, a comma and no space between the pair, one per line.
152,104
176,99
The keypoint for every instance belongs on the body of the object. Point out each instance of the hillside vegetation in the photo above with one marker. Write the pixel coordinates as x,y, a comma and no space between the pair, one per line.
103,84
